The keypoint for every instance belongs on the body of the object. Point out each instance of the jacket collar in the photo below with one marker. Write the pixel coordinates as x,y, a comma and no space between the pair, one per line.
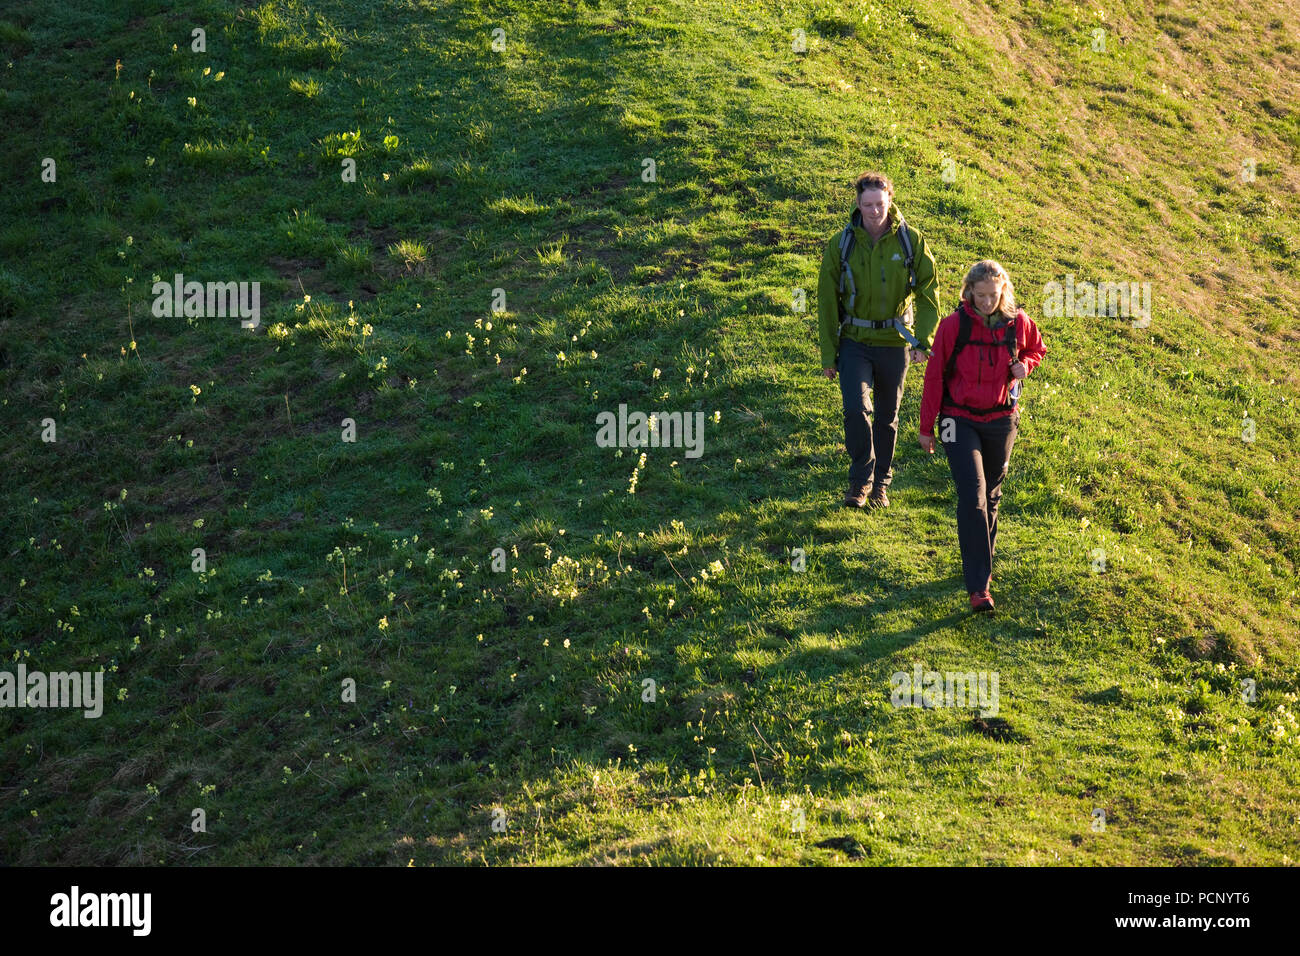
977,319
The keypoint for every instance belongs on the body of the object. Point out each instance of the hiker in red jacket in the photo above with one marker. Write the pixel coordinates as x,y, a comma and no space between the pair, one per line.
972,384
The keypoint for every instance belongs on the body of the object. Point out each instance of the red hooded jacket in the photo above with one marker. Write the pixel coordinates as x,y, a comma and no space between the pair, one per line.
982,375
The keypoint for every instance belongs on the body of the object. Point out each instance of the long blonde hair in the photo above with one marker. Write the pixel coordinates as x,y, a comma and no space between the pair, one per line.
989,269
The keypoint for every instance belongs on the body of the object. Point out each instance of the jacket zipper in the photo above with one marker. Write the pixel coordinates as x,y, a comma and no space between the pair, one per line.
979,366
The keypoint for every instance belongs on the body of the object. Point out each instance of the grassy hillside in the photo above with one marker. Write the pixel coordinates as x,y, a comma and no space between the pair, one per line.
517,695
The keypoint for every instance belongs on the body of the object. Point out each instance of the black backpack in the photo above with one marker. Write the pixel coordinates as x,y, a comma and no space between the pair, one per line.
963,339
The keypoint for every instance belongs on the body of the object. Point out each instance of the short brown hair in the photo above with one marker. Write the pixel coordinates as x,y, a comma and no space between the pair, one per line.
873,181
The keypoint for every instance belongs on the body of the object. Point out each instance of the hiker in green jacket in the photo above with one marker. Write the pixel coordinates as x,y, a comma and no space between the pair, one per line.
868,316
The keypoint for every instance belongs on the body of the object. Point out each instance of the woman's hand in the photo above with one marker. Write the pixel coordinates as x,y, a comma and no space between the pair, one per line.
1018,370
927,443
829,373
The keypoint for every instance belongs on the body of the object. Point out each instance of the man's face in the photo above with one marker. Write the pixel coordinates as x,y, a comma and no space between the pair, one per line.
874,205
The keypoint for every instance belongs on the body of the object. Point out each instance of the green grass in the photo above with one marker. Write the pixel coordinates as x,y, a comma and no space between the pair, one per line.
501,217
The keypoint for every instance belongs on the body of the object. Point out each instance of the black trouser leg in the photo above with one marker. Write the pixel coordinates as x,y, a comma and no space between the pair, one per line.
891,373
978,457
856,385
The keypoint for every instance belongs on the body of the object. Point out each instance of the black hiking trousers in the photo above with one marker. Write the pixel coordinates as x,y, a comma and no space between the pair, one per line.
871,380
978,456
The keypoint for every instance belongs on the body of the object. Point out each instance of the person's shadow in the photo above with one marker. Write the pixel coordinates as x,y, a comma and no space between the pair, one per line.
865,643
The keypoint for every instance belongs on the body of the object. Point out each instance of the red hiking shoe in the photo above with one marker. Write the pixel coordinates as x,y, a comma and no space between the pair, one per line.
981,601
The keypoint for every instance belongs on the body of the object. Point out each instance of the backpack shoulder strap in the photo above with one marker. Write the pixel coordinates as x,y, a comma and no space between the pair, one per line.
1013,388
846,245
963,337
909,256
846,275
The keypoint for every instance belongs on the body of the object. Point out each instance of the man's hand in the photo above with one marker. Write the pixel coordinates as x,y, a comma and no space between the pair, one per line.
927,443
1018,370
917,355
829,373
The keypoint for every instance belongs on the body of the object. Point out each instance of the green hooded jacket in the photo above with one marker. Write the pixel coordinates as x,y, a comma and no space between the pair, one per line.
880,271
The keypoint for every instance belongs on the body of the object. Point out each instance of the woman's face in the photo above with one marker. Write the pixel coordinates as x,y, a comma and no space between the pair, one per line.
985,294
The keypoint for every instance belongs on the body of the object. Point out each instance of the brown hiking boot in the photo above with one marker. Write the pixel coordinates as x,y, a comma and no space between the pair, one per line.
878,498
856,497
